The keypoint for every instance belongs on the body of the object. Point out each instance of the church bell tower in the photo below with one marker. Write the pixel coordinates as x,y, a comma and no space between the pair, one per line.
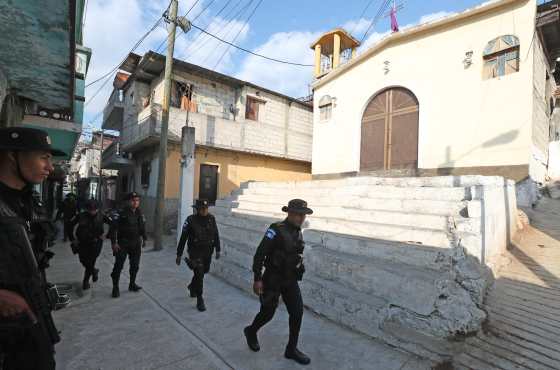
333,49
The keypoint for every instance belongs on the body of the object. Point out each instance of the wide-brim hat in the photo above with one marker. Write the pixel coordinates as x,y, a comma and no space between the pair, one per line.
201,203
297,206
27,139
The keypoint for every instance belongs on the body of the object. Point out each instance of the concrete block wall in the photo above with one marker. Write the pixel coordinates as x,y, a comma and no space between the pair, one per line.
405,260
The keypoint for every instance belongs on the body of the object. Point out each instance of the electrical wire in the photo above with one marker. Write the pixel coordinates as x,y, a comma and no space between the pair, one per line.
201,44
375,19
249,51
232,26
132,50
362,15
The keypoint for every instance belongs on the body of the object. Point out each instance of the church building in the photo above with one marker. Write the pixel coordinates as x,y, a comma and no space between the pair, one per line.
472,93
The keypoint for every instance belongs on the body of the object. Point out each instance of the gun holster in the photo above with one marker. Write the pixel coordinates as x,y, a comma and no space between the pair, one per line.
193,263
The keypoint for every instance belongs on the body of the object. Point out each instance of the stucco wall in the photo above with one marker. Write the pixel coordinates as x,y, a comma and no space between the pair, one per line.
543,89
464,121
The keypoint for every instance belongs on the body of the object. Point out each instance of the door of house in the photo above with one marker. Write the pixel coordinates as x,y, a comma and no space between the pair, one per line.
208,183
390,131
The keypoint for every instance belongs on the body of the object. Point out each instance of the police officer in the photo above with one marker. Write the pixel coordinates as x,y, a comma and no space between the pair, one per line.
90,239
25,160
128,236
66,212
200,232
281,254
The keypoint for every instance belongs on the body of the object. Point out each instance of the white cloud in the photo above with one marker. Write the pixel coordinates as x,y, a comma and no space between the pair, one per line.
357,27
288,79
434,17
114,26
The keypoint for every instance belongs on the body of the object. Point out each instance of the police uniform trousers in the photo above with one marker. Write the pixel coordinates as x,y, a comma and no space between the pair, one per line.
88,253
133,252
201,267
22,351
291,295
67,224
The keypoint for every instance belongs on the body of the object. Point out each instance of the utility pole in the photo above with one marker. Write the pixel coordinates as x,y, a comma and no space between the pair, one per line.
100,181
160,197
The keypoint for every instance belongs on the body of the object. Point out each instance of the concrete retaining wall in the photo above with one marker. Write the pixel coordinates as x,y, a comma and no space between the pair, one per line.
404,260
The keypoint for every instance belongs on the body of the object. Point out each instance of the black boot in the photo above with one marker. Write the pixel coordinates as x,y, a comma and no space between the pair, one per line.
252,340
116,293
132,286
95,275
85,283
297,356
200,304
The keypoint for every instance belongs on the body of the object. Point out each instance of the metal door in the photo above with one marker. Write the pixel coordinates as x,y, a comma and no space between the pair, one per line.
208,183
390,131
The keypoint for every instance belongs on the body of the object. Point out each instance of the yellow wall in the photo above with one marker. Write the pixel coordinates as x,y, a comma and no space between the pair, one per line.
173,171
235,168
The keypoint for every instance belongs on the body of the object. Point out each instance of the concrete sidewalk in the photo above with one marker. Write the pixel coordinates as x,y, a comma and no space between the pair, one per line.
160,327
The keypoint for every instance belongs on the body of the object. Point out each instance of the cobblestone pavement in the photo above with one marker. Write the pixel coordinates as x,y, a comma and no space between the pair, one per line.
524,305
160,327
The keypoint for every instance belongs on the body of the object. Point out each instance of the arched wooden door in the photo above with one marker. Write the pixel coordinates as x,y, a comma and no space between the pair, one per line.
390,131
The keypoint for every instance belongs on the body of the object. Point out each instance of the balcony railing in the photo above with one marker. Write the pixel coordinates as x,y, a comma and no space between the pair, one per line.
114,157
244,136
114,111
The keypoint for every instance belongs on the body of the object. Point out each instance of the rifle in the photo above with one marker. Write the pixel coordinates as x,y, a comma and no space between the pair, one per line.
32,286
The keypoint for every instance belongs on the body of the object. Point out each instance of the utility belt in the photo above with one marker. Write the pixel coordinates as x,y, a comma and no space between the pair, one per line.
288,268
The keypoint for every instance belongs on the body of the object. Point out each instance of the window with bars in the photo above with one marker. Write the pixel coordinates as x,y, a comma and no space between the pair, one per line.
252,109
501,57
145,174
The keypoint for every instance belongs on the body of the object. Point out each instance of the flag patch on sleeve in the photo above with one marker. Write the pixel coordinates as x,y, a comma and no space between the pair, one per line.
270,234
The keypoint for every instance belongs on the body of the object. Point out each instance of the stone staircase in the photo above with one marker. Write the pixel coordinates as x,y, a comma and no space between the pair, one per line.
396,259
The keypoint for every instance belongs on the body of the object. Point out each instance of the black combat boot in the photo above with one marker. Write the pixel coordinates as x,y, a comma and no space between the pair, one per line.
192,294
116,293
95,275
252,340
85,283
298,356
132,286
200,304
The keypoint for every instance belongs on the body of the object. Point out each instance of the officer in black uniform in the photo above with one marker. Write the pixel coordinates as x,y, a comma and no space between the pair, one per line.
90,239
66,212
200,232
281,254
128,236
27,331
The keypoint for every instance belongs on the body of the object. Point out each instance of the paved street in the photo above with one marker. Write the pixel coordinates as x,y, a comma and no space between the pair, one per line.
524,330
160,328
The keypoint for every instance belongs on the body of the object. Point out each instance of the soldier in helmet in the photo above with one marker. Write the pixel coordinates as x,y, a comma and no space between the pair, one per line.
128,236
200,232
281,254
27,331
90,238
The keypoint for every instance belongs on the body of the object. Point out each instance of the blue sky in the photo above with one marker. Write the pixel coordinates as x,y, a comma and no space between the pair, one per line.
282,29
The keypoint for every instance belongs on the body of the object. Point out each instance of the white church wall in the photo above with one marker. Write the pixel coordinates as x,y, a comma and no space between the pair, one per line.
464,121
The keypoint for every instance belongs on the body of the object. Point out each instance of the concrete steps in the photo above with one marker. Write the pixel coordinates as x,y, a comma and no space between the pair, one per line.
424,206
386,257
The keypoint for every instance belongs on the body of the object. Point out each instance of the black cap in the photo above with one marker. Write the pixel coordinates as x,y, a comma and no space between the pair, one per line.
132,195
297,206
200,203
27,139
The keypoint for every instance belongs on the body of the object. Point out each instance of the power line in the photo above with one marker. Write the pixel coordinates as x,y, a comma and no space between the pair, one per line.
238,33
362,15
231,26
249,51
132,50
375,19
201,44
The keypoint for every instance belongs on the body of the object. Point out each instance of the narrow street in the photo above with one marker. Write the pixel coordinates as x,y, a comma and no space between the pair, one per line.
524,305
160,328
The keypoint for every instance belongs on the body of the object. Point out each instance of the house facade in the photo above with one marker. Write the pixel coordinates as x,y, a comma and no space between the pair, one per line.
478,98
243,132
